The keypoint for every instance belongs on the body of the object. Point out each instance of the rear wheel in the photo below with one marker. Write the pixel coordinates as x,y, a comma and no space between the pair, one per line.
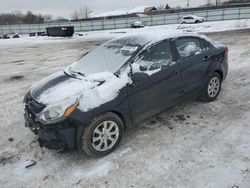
212,87
103,135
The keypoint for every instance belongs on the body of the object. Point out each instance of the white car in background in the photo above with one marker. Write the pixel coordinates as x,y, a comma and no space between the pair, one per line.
192,19
137,24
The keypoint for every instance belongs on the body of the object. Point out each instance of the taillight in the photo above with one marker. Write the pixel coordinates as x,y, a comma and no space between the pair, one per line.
226,50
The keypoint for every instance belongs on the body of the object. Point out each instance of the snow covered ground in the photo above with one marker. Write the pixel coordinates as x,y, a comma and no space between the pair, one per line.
206,27
192,145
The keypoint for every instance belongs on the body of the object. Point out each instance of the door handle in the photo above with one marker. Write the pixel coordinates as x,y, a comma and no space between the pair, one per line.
205,58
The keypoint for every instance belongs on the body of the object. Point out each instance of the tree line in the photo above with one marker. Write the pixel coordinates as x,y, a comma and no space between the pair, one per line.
17,17
236,1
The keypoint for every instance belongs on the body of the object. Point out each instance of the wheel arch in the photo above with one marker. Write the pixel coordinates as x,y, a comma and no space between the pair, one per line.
220,73
121,116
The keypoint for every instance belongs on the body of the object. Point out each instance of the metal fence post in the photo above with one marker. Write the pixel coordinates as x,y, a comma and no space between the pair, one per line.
80,25
239,12
223,12
20,31
103,23
126,20
178,18
9,29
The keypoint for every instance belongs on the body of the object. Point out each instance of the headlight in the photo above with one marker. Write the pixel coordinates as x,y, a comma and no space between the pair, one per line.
61,109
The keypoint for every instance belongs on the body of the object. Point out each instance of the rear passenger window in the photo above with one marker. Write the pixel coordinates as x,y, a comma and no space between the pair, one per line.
205,45
188,46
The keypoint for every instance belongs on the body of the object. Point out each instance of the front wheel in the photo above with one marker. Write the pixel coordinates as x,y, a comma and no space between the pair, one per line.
103,135
212,87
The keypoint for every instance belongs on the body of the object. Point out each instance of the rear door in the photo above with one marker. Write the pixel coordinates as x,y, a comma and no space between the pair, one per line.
193,60
160,88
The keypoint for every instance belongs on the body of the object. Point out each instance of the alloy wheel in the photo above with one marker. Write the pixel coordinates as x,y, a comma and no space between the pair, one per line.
105,136
213,87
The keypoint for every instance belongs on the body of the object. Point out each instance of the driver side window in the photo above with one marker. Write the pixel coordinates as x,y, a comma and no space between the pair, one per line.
155,58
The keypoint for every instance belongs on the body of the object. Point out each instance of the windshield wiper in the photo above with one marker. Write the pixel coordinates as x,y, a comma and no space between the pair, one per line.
75,72
79,73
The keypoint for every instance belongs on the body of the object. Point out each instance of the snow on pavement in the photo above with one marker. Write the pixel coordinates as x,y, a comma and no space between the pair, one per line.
206,27
192,145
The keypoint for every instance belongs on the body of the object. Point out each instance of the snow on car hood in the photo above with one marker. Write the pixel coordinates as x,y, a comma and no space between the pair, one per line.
91,91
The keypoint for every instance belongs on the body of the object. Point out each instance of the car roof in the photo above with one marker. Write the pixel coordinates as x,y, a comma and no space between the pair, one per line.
190,15
143,38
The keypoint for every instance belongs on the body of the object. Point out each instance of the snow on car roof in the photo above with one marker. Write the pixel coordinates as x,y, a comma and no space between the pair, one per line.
144,38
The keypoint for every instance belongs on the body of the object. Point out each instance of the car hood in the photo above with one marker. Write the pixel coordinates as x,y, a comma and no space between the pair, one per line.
47,83
92,90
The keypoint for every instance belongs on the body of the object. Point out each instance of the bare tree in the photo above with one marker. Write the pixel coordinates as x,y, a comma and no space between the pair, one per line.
85,12
161,7
217,2
82,13
209,2
47,17
75,15
235,1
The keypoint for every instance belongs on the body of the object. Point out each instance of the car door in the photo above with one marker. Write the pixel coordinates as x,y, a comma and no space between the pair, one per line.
193,60
156,82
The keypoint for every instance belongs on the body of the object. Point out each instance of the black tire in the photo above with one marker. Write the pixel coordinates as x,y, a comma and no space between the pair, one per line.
206,96
87,136
197,21
183,22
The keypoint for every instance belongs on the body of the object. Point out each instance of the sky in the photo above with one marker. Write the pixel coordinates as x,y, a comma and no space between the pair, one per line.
64,8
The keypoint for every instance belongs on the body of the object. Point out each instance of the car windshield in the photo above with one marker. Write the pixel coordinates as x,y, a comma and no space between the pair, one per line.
108,57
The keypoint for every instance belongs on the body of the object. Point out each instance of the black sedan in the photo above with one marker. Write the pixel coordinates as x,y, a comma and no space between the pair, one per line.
120,83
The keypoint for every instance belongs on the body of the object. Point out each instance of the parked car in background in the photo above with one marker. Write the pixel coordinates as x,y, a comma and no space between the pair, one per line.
6,36
137,24
120,83
189,19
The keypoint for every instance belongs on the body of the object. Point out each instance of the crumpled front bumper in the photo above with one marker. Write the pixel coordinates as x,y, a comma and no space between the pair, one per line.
60,136
57,139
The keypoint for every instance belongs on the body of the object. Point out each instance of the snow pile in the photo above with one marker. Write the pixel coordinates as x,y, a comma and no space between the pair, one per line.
206,27
98,169
88,90
124,11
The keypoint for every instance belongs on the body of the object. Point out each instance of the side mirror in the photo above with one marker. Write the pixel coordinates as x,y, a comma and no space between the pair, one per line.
139,76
